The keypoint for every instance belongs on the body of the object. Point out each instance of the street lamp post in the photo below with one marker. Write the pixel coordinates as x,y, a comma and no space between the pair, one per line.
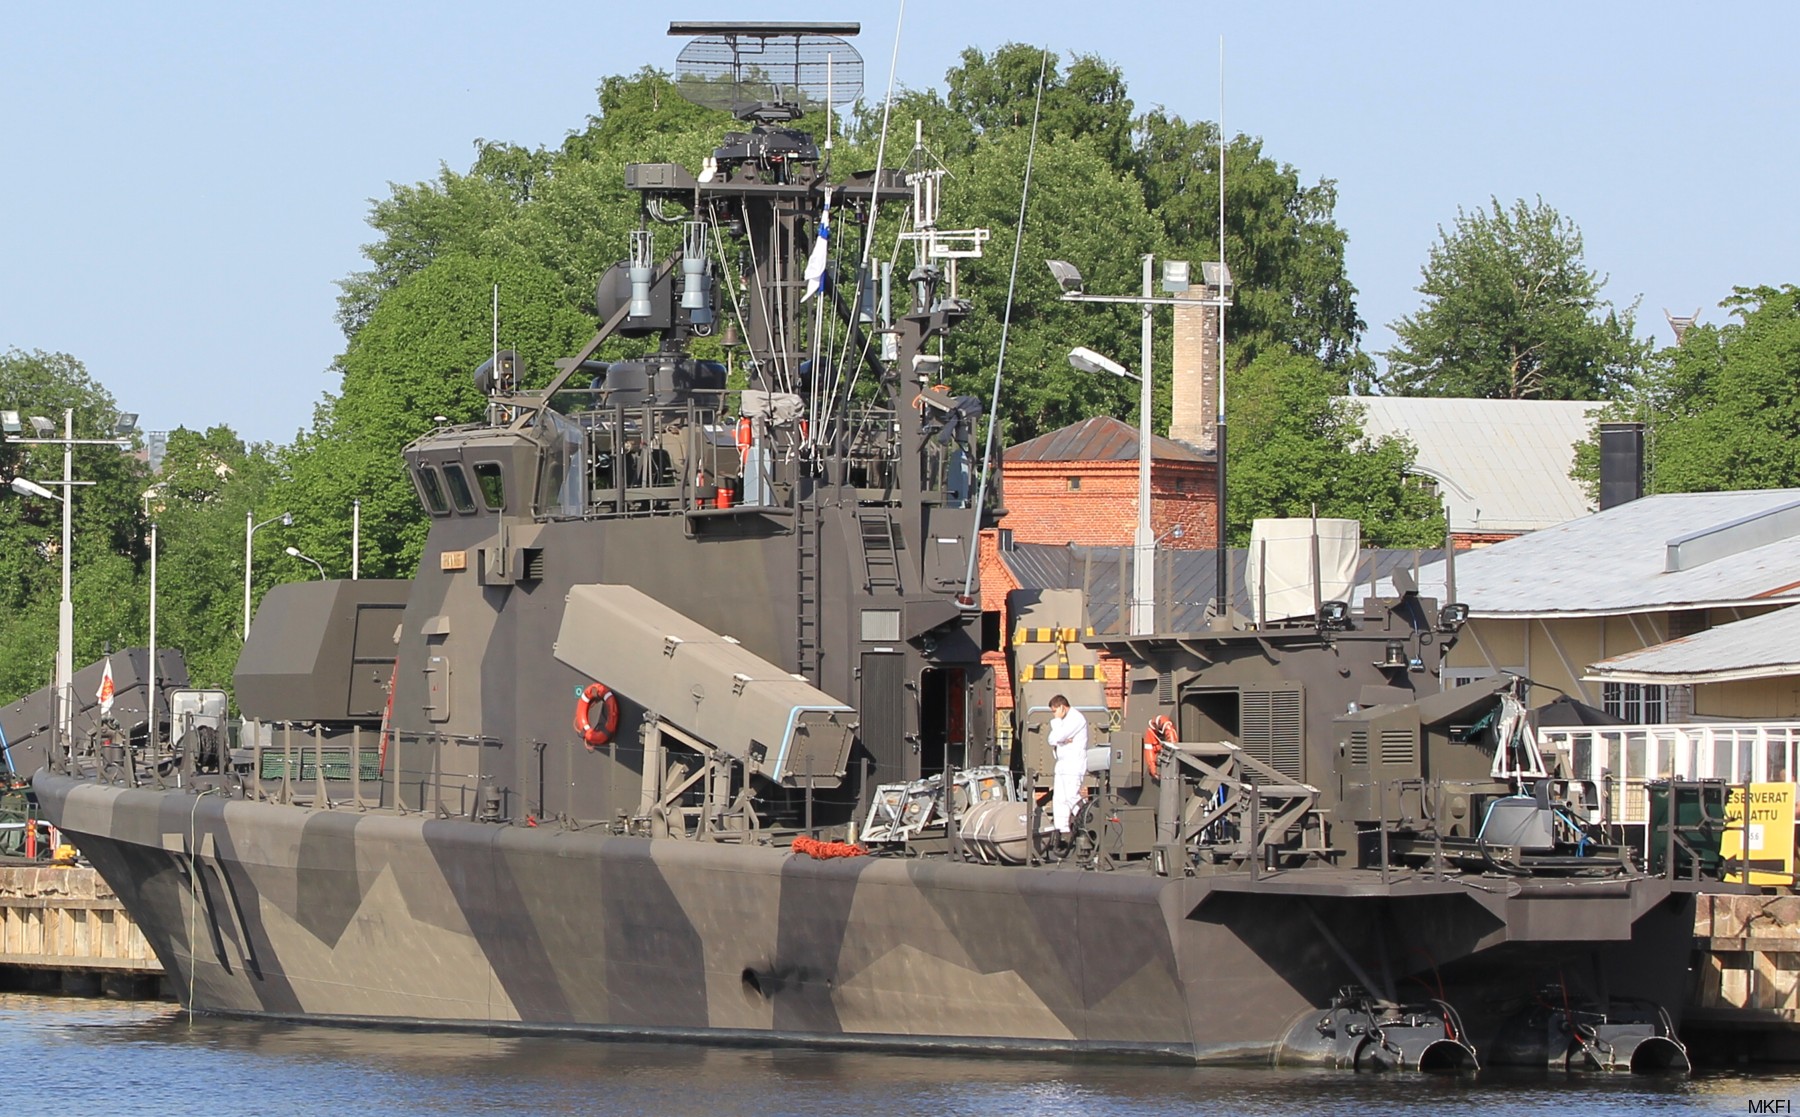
295,552
251,527
63,698
1143,566
150,691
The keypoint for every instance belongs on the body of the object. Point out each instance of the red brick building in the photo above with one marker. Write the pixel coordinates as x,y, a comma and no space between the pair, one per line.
1080,485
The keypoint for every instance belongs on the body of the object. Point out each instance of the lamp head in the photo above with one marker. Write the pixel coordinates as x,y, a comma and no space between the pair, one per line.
9,422
287,519
1068,276
44,427
1083,359
31,488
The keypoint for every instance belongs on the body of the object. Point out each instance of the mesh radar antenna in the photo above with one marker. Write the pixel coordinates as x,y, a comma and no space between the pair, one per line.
768,72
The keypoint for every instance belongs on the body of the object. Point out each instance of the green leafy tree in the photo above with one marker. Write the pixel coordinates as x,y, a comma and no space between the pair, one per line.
1088,100
106,531
1723,406
208,482
1513,312
1295,445
410,363
1086,210
1282,242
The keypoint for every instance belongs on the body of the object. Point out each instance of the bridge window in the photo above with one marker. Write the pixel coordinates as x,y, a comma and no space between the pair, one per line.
460,494
492,484
431,490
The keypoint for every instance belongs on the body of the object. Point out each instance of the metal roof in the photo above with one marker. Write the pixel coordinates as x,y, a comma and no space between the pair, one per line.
1099,439
1185,578
1502,465
1759,647
1672,551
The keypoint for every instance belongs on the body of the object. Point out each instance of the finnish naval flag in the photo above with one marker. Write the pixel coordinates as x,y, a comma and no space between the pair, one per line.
815,264
105,693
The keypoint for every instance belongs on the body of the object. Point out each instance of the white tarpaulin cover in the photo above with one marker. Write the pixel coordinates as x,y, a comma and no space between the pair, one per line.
1279,574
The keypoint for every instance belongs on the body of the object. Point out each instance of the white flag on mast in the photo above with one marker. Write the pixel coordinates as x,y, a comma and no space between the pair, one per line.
815,264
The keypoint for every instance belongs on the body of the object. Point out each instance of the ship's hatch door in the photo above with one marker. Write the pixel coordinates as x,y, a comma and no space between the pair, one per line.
943,719
371,658
884,718
437,669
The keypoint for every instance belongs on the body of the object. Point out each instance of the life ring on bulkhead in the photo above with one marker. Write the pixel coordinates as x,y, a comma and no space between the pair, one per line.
1161,732
597,734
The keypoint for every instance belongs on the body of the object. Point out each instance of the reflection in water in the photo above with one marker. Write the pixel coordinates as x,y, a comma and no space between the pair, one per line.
81,1056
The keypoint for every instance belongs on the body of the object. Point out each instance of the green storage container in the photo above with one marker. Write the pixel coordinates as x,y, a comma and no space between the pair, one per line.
1698,810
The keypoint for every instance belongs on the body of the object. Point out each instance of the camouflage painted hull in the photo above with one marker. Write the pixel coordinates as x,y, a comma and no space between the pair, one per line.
274,910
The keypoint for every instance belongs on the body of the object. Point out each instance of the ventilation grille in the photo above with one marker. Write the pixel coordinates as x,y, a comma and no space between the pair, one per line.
1399,748
1269,723
1358,749
1165,688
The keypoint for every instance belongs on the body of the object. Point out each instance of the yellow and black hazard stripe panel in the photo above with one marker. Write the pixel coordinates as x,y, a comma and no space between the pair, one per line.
1027,635
1058,672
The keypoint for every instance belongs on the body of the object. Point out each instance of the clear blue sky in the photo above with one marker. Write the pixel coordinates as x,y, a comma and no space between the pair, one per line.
184,183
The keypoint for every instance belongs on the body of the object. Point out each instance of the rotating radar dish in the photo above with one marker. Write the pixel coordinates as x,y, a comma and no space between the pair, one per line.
768,72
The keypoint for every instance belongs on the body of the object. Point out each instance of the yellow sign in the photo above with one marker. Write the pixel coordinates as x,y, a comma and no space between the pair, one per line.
1769,834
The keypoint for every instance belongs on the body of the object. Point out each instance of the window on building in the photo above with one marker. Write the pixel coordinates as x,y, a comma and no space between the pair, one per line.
1074,483
1637,703
1463,676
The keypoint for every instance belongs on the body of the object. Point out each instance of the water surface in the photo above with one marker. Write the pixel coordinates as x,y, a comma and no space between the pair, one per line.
74,1056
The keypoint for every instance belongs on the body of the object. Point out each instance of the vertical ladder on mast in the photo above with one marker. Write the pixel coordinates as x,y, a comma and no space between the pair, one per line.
806,627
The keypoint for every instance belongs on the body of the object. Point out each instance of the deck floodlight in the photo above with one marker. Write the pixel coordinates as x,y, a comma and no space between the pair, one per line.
1452,616
9,422
1217,276
1068,276
1084,359
124,423
31,488
44,427
1175,276
1334,616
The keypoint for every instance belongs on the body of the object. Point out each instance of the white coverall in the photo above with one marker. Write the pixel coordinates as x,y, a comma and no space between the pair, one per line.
1069,744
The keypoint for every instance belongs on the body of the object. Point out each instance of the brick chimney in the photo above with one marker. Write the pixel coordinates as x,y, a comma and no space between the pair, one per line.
1196,360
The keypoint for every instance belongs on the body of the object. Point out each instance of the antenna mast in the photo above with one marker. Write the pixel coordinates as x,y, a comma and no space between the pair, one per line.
1222,557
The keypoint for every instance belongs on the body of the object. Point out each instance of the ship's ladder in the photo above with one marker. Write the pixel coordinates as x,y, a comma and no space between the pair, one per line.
881,550
806,626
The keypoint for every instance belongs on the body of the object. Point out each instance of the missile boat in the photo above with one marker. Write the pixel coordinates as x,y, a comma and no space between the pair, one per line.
686,725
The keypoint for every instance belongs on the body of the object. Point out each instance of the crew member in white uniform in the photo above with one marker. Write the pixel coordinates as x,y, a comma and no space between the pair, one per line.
1069,744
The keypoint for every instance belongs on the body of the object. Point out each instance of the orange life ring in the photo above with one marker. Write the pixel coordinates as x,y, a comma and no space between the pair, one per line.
1160,732
597,735
746,434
